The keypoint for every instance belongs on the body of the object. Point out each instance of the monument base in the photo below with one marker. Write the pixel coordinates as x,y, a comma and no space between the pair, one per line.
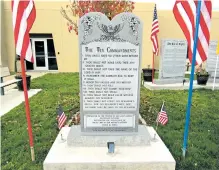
179,86
170,81
98,139
155,156
211,80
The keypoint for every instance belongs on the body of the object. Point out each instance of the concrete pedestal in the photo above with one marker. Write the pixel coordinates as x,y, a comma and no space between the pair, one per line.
179,86
211,80
77,139
154,156
169,81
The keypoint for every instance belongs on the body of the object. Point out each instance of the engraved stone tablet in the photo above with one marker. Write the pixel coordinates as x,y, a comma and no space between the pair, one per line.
110,56
212,59
172,61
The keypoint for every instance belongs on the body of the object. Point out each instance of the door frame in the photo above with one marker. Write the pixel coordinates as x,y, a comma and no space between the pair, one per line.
46,68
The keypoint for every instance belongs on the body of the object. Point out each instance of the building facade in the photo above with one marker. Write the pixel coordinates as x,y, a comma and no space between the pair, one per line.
55,49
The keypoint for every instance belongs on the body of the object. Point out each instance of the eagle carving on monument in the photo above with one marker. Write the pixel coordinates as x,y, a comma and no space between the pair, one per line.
110,31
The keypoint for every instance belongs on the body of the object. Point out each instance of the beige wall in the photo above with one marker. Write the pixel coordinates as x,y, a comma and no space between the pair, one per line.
49,20
3,58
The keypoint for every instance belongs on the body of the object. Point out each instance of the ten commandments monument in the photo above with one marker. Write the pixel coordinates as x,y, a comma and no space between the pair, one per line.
110,58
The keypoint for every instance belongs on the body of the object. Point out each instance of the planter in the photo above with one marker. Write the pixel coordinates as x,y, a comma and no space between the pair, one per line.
147,74
20,83
202,79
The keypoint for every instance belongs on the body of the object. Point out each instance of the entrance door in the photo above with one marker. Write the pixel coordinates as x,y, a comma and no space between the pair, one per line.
40,54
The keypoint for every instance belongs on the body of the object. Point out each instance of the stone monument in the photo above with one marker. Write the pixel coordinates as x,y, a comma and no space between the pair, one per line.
211,61
110,57
172,61
109,135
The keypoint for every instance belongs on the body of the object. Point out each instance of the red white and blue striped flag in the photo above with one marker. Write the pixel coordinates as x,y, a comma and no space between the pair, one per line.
162,116
61,117
23,17
154,31
185,13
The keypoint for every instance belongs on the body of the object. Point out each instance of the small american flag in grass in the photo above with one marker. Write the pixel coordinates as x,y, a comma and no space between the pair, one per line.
162,116
61,117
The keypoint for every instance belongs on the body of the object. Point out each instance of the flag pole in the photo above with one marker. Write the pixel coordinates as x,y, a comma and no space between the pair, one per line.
188,110
215,73
27,108
153,69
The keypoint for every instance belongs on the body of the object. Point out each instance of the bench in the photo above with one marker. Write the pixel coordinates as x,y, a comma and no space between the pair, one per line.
4,73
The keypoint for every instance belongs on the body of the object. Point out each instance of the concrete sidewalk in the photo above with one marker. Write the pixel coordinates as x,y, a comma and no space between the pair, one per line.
13,98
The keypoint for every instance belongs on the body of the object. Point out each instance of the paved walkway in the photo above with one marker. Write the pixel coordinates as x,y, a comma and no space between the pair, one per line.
13,97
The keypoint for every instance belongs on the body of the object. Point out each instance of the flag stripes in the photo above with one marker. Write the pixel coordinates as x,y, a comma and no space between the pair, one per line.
185,14
162,116
61,120
154,31
61,117
23,17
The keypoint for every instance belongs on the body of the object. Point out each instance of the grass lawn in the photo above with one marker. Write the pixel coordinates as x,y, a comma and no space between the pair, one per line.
203,144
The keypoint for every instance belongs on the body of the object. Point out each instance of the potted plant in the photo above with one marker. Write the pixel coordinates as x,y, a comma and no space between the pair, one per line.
147,73
20,83
202,76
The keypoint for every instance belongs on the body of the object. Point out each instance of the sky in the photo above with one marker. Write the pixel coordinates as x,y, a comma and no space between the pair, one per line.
168,4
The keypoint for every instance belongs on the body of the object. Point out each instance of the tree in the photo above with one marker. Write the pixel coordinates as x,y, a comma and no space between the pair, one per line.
79,8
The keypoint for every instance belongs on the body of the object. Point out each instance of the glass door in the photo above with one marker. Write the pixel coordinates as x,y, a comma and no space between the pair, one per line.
40,54
52,63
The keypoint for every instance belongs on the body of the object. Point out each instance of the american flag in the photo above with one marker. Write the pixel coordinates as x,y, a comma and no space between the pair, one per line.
61,117
154,31
162,116
185,13
23,17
